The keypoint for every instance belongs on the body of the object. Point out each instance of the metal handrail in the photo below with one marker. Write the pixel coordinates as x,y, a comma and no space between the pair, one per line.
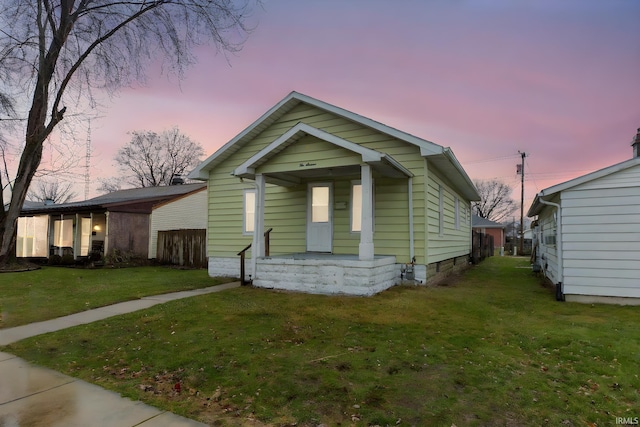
242,255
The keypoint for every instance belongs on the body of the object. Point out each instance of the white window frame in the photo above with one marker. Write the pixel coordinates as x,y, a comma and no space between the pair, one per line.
245,230
441,210
351,206
456,202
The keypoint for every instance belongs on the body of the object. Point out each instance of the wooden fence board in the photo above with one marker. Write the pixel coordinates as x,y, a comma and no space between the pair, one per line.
183,247
482,246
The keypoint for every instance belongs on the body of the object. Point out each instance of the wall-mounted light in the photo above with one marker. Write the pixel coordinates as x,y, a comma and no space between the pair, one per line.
96,228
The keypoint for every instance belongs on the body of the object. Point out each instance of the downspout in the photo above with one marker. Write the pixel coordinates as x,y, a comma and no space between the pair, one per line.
559,286
411,241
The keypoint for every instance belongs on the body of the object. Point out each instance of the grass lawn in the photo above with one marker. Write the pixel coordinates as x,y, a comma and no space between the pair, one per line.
52,292
492,349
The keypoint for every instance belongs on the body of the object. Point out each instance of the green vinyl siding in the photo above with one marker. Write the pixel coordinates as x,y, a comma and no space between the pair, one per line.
310,153
286,207
286,213
452,242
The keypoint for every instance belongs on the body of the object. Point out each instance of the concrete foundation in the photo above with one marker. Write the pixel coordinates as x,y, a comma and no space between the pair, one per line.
228,267
327,274
437,271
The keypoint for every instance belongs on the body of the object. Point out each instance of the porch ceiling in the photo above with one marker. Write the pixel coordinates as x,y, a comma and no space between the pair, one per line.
381,163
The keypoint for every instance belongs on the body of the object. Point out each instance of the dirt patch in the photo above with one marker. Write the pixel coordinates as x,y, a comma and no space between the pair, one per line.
448,280
18,267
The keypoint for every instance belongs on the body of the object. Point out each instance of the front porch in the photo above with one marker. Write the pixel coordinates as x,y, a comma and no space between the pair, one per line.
327,273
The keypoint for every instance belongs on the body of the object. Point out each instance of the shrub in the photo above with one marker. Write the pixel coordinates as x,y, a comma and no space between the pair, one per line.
55,260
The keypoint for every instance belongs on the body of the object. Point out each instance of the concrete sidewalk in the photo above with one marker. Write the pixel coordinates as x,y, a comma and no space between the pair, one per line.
34,396
11,335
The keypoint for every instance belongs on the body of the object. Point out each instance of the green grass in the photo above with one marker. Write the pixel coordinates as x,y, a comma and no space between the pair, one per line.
51,292
491,349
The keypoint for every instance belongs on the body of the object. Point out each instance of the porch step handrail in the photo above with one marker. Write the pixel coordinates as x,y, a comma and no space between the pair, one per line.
242,255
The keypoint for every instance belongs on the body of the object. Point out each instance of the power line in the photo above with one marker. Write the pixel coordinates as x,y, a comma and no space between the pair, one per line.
494,159
535,184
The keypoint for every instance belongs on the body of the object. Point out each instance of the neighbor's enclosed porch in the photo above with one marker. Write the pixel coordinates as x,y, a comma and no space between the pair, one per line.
77,235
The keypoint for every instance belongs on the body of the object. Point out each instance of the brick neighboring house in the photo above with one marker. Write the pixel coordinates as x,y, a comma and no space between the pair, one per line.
490,228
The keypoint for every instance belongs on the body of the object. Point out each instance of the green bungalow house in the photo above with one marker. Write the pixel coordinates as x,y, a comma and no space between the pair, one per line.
334,202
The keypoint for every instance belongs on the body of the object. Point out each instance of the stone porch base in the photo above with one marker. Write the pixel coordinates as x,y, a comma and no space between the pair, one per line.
327,274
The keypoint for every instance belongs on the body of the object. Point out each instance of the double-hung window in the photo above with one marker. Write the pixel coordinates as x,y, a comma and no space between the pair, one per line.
249,211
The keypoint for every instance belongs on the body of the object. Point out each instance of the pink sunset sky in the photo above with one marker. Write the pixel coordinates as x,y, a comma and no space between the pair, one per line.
559,80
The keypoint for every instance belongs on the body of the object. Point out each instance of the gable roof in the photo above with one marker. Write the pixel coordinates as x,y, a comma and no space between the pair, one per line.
550,192
381,161
479,222
119,198
443,158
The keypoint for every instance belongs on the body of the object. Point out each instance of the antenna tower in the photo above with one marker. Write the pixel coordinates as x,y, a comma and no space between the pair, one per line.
87,163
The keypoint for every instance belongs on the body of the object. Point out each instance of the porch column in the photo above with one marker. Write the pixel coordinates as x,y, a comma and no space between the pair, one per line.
366,251
257,246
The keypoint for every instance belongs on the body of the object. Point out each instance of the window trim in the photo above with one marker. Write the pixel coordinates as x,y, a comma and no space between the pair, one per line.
440,210
456,202
246,191
353,183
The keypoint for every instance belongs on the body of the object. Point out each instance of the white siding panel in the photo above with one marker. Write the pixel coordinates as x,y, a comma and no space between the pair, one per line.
601,237
602,289
603,246
626,178
617,283
602,273
188,212
597,228
597,194
614,264
597,255
632,209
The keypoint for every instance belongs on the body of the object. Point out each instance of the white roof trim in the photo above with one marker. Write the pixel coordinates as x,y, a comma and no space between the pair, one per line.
552,191
201,171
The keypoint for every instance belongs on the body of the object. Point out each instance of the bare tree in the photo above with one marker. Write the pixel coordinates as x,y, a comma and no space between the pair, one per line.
54,53
6,109
495,202
152,159
52,190
109,185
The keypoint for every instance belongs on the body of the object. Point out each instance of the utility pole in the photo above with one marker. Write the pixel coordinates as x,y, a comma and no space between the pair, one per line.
521,172
87,163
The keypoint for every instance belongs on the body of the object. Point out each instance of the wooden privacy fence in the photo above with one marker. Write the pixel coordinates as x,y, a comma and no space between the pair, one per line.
482,246
183,247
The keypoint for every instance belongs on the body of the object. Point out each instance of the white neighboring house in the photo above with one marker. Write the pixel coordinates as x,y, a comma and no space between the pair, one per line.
588,234
187,212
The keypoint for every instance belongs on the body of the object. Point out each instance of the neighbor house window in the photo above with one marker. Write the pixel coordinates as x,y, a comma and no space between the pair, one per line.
32,236
85,235
249,201
63,233
440,210
457,213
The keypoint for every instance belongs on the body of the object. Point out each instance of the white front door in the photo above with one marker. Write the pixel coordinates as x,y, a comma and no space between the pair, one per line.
320,217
